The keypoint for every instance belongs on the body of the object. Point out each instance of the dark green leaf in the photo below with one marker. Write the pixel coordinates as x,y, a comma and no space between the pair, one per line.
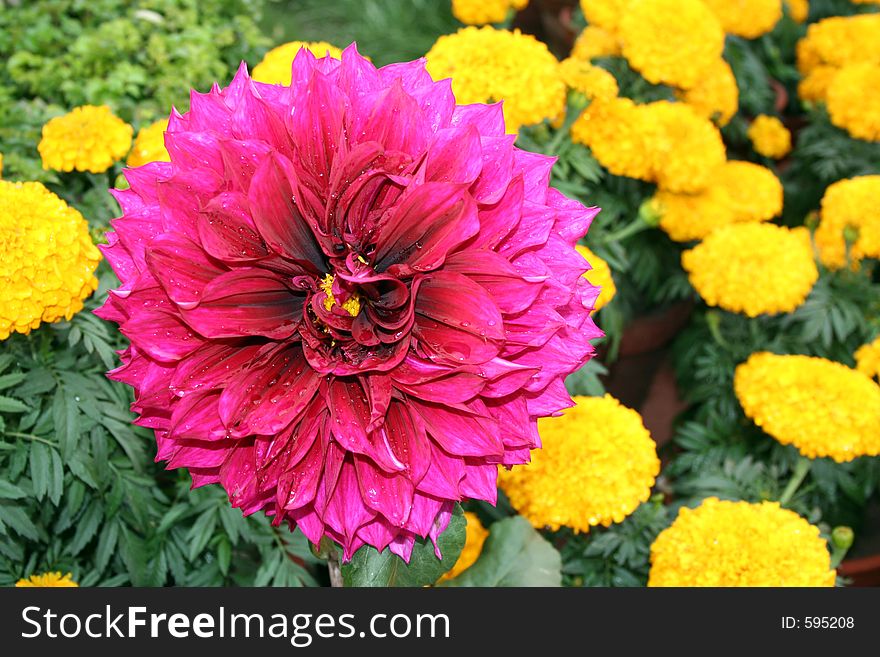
514,554
371,568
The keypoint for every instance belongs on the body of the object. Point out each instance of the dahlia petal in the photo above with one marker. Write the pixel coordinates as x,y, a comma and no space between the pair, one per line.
253,118
162,335
209,112
395,121
203,455
297,487
425,226
402,546
493,272
535,170
270,393
443,476
211,366
377,533
277,216
346,511
317,126
247,301
388,494
480,481
181,267
497,169
460,430
227,232
441,522
350,418
533,230
241,157
488,119
194,150
196,417
458,302
454,156
573,219
495,220
404,435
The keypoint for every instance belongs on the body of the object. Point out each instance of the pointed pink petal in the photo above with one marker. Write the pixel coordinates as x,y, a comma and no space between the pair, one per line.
247,301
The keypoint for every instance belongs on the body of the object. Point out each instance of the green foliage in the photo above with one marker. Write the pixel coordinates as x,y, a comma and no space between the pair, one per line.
385,30
368,567
618,555
514,554
139,58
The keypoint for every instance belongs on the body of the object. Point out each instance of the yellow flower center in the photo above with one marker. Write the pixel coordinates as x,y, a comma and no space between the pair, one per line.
352,305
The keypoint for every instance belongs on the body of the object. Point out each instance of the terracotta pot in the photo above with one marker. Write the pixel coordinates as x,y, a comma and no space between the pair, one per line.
864,571
651,332
551,21
781,92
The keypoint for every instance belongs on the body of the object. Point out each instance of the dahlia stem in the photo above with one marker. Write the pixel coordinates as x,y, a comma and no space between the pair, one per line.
335,570
797,478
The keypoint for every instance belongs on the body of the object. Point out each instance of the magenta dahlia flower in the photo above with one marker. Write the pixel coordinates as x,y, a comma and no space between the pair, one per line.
349,299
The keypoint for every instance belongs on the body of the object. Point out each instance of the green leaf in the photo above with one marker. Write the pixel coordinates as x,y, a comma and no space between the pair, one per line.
56,478
9,380
64,416
514,554
224,555
371,568
10,491
39,460
10,405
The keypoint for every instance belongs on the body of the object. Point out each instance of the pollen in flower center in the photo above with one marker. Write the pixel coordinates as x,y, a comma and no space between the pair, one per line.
352,305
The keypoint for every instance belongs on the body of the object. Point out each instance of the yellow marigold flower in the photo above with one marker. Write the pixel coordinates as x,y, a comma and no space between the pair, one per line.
149,145
688,217
753,268
770,137
716,95
88,138
594,42
840,40
799,10
475,536
481,12
821,407
597,464
868,359
47,258
55,579
722,543
849,204
619,137
739,192
600,275
689,149
747,18
671,41
592,81
487,65
606,14
854,100
754,192
277,63
814,86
